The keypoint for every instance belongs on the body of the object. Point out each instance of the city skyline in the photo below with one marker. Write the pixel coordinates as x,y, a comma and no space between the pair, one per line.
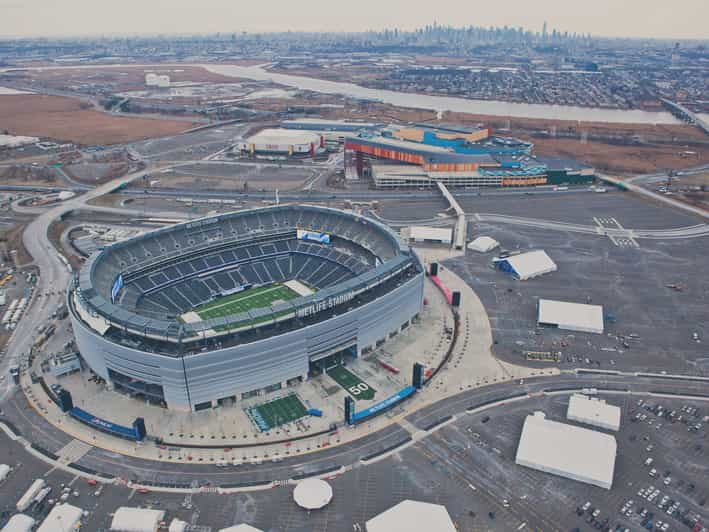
605,18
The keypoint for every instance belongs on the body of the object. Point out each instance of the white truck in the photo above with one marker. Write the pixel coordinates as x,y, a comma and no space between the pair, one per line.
30,494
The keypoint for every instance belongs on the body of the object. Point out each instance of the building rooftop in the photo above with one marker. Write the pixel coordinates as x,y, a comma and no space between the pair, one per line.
593,411
411,515
530,264
571,316
566,450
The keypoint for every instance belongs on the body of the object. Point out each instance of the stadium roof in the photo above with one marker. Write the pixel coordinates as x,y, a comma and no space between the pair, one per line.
483,244
240,528
593,411
412,515
283,136
571,316
442,234
568,451
530,264
136,519
61,517
312,494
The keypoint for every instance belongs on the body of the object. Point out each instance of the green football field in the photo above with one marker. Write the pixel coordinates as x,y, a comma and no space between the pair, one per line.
278,412
355,386
253,298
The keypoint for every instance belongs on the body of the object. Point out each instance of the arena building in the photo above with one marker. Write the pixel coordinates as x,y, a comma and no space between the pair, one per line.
227,307
282,142
422,155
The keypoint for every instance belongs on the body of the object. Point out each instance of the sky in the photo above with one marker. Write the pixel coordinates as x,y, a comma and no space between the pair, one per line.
677,19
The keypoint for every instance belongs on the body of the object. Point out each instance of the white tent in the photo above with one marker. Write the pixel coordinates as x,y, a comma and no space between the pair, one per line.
178,526
571,316
136,519
483,244
240,528
527,265
62,517
566,450
4,471
412,515
593,411
19,523
312,494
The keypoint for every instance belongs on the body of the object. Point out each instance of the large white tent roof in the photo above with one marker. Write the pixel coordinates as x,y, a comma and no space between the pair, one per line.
593,411
412,515
531,264
240,528
312,493
61,517
421,232
19,523
571,316
136,519
483,244
568,451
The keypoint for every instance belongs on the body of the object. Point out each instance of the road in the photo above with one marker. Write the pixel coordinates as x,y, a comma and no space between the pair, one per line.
417,425
54,275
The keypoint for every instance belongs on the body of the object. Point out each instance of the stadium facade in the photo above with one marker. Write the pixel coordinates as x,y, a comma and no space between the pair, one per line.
135,306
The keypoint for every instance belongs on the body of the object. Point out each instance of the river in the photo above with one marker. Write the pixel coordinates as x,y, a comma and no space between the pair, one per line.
415,101
447,103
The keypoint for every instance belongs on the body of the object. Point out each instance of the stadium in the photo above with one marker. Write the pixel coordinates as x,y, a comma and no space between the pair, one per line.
228,307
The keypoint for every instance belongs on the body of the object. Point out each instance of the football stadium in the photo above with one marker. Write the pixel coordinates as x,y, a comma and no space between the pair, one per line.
228,307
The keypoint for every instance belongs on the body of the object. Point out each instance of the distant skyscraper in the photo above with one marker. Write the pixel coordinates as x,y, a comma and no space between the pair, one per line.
544,30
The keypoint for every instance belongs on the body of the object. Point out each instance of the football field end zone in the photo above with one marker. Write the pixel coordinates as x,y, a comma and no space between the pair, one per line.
299,288
351,383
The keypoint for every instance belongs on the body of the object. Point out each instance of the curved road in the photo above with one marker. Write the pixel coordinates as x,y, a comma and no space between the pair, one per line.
417,425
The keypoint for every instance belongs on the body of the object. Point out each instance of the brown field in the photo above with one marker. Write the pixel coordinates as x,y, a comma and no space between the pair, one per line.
121,78
69,119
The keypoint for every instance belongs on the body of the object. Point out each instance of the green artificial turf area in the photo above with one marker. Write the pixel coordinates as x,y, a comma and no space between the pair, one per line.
355,386
278,412
253,298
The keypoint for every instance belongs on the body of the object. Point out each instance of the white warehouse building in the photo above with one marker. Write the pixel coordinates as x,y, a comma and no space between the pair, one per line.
566,450
593,411
283,141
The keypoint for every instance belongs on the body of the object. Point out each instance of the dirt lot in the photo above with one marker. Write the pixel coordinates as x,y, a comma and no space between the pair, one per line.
12,240
68,119
119,78
631,159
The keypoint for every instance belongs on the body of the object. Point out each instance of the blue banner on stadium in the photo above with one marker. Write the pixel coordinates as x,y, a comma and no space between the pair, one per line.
383,405
128,433
116,289
313,236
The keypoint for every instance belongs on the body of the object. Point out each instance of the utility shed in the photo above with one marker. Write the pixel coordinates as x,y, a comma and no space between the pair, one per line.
62,517
571,316
412,515
568,451
593,411
526,265
441,235
136,519
19,523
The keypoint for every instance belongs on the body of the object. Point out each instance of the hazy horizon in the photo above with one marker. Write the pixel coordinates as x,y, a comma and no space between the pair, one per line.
682,20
